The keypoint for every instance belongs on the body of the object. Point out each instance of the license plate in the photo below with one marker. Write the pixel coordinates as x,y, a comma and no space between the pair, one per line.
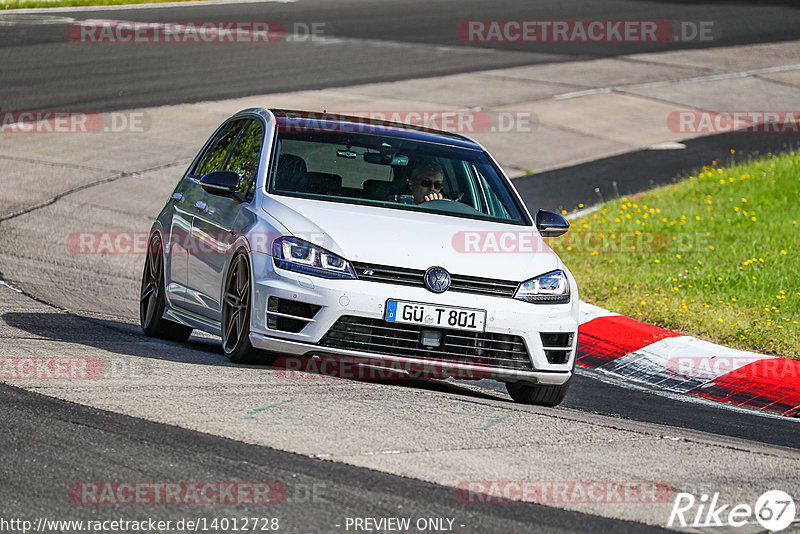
398,311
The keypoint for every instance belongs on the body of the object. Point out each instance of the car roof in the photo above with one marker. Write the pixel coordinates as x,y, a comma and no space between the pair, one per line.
288,119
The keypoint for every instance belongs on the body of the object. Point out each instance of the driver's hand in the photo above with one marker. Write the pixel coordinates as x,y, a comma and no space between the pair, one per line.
433,196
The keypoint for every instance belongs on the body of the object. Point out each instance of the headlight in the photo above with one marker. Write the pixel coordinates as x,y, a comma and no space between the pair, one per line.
550,288
301,256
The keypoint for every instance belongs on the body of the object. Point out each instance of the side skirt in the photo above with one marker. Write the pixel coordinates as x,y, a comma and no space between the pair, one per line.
192,319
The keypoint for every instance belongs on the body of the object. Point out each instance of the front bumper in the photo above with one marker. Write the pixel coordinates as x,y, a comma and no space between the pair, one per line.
367,299
416,366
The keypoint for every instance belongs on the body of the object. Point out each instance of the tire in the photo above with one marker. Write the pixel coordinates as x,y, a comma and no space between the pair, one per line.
541,395
152,300
236,305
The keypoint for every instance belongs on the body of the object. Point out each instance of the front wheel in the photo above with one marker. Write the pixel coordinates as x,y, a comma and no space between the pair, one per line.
539,394
236,313
151,298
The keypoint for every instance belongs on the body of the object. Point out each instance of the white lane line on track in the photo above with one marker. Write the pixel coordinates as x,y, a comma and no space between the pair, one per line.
667,145
581,213
8,19
6,284
146,6
665,83
333,40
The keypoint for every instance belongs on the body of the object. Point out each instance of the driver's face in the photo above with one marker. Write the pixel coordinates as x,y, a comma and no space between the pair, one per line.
425,183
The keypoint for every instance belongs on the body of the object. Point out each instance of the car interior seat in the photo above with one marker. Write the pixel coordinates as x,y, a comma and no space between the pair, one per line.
378,189
292,174
324,183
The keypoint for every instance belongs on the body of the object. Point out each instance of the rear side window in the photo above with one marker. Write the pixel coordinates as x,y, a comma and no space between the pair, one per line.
217,152
244,158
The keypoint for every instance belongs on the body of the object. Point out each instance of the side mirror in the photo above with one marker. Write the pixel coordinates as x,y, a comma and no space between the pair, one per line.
551,224
222,183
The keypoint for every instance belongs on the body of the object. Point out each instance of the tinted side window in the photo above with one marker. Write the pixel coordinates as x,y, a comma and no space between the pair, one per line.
214,158
244,159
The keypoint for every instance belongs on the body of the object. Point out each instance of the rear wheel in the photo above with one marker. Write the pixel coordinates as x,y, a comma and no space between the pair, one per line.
151,299
236,306
540,394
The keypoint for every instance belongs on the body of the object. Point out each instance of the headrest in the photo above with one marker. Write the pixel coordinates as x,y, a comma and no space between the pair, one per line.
378,189
292,173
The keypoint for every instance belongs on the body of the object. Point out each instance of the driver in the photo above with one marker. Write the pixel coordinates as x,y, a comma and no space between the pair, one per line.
426,182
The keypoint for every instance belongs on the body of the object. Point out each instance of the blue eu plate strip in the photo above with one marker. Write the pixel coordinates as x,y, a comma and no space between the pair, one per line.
391,310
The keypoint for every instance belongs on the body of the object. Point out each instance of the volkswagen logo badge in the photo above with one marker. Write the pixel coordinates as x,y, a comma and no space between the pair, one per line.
437,279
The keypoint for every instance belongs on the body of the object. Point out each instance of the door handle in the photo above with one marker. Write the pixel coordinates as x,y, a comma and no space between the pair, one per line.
177,197
201,205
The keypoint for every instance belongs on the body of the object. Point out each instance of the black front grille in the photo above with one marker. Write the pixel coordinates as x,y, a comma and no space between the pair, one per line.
457,346
416,277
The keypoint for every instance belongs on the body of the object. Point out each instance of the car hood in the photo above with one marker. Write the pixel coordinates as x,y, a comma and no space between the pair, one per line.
417,240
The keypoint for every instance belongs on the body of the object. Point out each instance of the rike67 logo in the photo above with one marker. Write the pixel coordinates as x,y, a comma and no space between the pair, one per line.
774,510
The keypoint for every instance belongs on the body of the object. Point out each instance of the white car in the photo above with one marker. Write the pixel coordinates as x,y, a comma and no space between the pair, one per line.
325,236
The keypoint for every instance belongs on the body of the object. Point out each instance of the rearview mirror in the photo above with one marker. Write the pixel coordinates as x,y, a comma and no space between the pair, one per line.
386,159
221,183
551,224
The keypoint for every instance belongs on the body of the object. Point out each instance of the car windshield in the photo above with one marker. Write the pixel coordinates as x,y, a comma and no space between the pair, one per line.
392,172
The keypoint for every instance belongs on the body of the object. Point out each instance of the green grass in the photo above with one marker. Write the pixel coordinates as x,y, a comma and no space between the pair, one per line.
25,4
714,255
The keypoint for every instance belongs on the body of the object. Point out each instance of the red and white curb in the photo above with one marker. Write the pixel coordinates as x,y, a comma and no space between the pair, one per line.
629,349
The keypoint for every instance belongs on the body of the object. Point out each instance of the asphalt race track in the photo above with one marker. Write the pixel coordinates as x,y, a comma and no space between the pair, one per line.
319,494
366,42
340,448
